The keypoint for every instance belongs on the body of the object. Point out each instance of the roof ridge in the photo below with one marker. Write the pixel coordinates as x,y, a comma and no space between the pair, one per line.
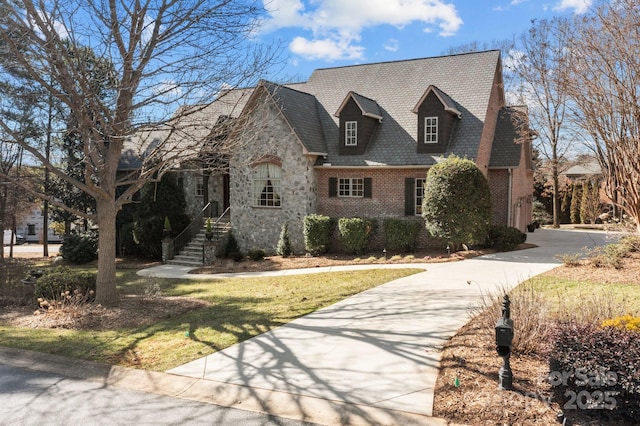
406,60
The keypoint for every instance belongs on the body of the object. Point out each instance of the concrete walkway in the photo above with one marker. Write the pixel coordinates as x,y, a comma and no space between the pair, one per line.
372,358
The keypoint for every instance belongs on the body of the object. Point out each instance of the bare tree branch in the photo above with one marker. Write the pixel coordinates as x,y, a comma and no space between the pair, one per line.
162,53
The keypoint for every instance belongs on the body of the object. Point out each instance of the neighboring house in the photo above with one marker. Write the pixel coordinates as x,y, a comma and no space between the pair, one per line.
358,141
30,228
585,170
588,169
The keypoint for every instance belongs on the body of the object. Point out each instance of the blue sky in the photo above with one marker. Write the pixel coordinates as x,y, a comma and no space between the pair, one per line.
329,33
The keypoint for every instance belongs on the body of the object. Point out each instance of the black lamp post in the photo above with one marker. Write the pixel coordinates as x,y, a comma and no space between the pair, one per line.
504,340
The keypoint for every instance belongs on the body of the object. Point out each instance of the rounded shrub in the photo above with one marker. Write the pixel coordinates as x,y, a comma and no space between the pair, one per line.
256,254
457,202
80,247
57,281
505,238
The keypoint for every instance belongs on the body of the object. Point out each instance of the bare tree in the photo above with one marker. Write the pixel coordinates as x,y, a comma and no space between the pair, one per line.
539,63
163,53
605,57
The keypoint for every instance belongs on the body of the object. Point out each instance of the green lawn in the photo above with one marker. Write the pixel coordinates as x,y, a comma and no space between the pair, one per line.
236,310
588,299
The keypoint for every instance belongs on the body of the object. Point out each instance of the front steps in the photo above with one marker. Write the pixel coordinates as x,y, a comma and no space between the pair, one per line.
192,254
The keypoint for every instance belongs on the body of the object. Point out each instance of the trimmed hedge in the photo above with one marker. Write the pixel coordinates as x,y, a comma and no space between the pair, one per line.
457,202
400,235
354,233
505,238
55,282
589,361
317,233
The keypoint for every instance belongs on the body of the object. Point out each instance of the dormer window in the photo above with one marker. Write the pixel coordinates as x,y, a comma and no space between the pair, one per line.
359,118
351,133
437,114
431,130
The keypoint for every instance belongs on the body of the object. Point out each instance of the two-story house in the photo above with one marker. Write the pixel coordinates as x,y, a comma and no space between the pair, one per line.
358,141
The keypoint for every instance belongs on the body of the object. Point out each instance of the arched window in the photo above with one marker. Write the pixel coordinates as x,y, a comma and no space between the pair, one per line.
267,187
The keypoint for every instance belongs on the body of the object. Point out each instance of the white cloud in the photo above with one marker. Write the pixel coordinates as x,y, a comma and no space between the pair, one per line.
392,45
326,49
579,6
336,25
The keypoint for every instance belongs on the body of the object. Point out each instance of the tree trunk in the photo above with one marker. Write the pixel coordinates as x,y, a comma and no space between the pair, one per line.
556,197
106,292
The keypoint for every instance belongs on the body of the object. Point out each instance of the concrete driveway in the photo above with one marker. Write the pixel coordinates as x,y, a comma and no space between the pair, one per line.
373,358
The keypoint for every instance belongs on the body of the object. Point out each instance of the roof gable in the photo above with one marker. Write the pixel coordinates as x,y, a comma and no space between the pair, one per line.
444,99
368,107
301,112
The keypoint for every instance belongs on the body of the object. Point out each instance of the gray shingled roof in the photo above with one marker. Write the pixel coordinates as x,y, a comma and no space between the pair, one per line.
190,126
447,102
369,107
389,90
396,87
301,110
505,152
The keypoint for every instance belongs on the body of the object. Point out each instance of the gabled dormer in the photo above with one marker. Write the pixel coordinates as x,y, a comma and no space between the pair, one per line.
437,114
359,118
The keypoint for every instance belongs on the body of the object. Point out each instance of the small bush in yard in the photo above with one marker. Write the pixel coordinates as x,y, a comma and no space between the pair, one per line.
231,249
80,248
600,367
505,238
400,235
256,254
531,326
317,233
59,281
284,249
627,322
354,234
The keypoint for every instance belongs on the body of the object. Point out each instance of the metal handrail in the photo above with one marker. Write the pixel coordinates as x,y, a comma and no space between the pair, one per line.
215,224
190,231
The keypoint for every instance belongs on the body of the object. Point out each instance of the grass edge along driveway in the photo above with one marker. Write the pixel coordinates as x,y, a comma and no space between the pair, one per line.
235,309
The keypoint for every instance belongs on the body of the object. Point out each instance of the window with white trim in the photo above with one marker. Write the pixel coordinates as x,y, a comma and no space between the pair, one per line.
267,185
199,187
351,133
431,130
350,187
419,193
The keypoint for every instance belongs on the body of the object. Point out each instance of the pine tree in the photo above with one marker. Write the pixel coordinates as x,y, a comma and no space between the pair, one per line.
284,248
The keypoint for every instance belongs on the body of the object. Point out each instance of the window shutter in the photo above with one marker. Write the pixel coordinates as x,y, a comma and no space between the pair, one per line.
367,188
333,187
409,200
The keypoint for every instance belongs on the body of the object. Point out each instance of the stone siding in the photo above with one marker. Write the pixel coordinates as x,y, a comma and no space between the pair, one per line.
195,203
260,227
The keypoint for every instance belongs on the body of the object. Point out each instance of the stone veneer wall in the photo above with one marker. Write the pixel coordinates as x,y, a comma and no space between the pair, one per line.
195,202
260,227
